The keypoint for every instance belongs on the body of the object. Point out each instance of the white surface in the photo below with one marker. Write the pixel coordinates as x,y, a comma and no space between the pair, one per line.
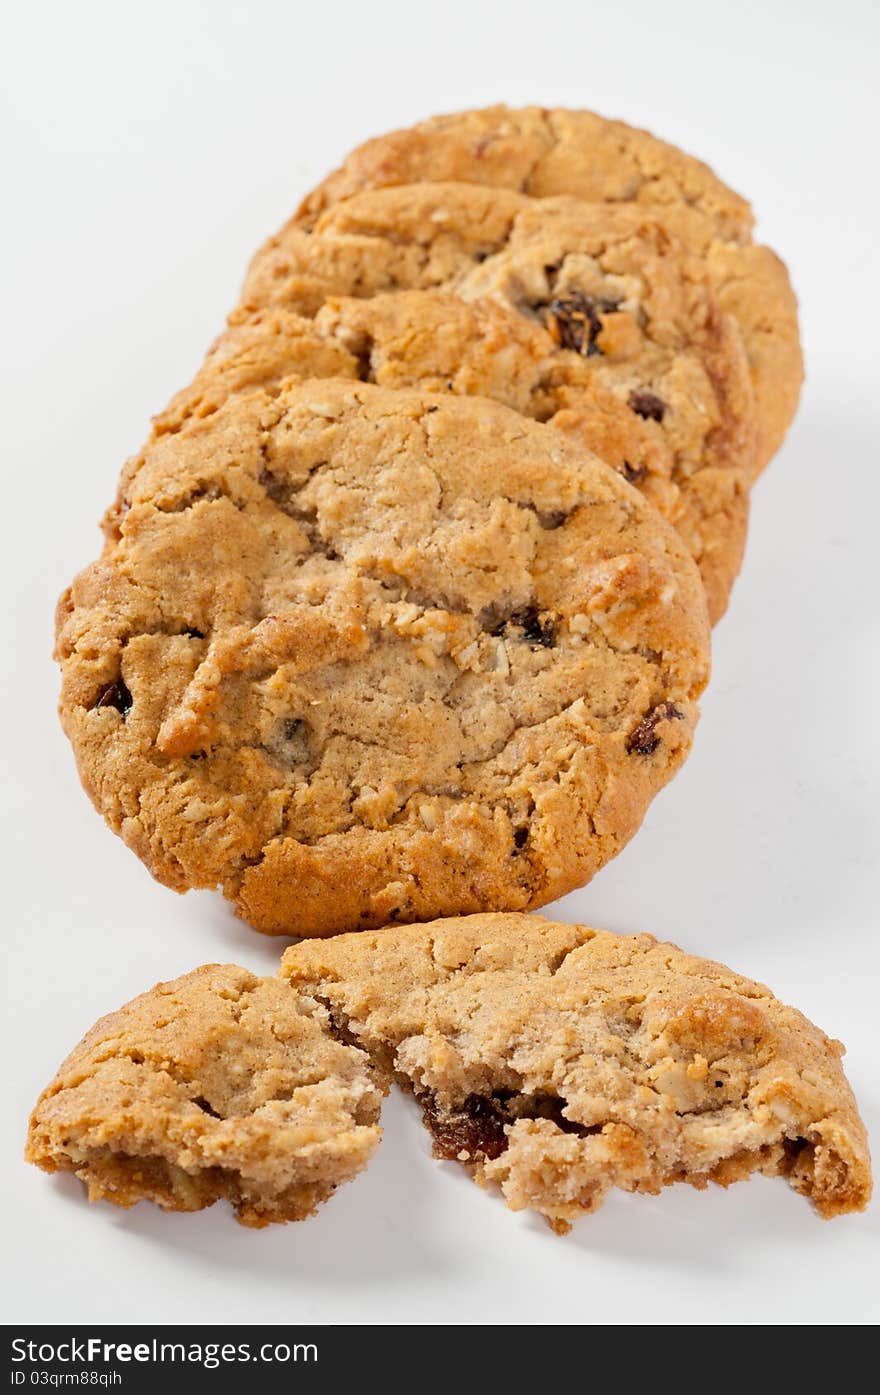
150,149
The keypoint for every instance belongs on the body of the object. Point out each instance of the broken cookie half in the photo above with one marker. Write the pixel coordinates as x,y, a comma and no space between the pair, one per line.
560,1061
217,1085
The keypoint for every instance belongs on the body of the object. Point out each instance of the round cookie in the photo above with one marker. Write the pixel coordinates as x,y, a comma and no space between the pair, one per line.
256,350
540,152
439,342
217,1085
360,655
543,152
560,1061
618,329
429,340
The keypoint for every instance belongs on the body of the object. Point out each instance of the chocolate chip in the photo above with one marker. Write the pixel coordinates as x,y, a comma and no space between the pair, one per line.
642,740
633,473
520,837
116,695
292,727
194,634
575,321
647,404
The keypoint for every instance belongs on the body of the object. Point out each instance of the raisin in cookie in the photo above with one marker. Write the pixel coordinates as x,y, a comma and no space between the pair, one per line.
631,352
217,1085
560,1061
544,152
358,655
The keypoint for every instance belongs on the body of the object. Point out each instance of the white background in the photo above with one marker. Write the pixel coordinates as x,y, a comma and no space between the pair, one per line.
149,149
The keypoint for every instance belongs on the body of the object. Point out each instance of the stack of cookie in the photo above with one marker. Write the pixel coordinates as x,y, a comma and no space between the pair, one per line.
403,613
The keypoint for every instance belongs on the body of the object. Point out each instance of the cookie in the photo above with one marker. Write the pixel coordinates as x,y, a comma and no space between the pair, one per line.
543,152
358,655
559,1061
540,152
217,1085
633,355
412,339
439,342
257,350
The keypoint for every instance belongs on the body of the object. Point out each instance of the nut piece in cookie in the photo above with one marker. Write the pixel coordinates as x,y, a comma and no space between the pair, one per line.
559,1061
217,1085
357,654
